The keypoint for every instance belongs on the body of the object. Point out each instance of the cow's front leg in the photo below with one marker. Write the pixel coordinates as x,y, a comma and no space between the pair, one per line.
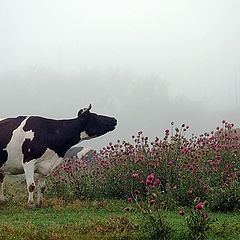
29,175
2,199
41,188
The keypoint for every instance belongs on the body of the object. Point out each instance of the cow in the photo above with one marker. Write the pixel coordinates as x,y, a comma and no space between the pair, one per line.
33,144
87,153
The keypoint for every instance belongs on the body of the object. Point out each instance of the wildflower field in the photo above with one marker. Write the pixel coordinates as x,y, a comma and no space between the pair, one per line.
177,187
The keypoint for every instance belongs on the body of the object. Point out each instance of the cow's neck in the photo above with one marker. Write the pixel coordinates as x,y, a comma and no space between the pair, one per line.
69,132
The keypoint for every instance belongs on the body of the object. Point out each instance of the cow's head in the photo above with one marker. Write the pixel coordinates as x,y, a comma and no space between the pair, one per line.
95,125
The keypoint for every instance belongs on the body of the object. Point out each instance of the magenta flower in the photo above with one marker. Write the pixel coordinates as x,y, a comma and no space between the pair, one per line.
181,212
130,199
204,187
148,182
152,202
170,162
135,175
207,215
150,177
199,206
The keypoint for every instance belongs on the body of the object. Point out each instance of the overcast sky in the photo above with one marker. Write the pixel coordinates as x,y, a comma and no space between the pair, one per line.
145,62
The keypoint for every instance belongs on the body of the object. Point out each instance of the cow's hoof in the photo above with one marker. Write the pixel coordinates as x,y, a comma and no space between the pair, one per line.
38,205
2,200
30,205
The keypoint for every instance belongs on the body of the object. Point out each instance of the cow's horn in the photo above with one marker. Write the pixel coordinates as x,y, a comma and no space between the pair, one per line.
87,109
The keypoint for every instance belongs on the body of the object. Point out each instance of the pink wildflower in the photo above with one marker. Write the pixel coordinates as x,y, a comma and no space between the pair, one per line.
148,182
199,206
150,177
135,175
181,212
152,202
126,209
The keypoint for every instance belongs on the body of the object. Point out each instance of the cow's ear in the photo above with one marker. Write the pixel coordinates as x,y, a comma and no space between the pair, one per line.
83,112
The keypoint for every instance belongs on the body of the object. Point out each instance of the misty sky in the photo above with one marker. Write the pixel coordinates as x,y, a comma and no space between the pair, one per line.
146,62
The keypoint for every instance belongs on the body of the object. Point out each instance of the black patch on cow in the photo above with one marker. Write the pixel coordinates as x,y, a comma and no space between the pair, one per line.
57,135
7,126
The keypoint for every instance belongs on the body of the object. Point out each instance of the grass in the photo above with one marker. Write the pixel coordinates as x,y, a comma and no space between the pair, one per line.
104,219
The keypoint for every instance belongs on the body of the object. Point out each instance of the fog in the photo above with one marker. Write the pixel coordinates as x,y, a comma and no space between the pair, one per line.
147,63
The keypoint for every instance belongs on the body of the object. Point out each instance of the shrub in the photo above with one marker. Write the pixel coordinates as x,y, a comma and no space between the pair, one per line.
176,168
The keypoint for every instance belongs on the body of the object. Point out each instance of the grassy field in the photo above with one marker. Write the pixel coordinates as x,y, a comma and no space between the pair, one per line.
105,219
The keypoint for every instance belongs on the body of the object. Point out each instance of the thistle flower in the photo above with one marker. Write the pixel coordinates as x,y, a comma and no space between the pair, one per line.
150,177
199,206
127,209
181,212
190,191
152,202
135,175
137,192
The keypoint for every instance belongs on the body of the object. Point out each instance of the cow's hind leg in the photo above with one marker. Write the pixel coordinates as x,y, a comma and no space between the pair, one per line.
2,199
41,188
29,175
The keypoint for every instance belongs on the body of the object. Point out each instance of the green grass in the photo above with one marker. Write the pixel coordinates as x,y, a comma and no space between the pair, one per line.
105,219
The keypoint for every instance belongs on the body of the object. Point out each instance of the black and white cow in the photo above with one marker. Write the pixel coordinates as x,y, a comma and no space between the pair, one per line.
87,153
31,144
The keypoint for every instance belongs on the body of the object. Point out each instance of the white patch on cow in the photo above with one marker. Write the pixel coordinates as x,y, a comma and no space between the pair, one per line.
29,175
1,192
13,165
84,136
83,152
43,166
47,162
